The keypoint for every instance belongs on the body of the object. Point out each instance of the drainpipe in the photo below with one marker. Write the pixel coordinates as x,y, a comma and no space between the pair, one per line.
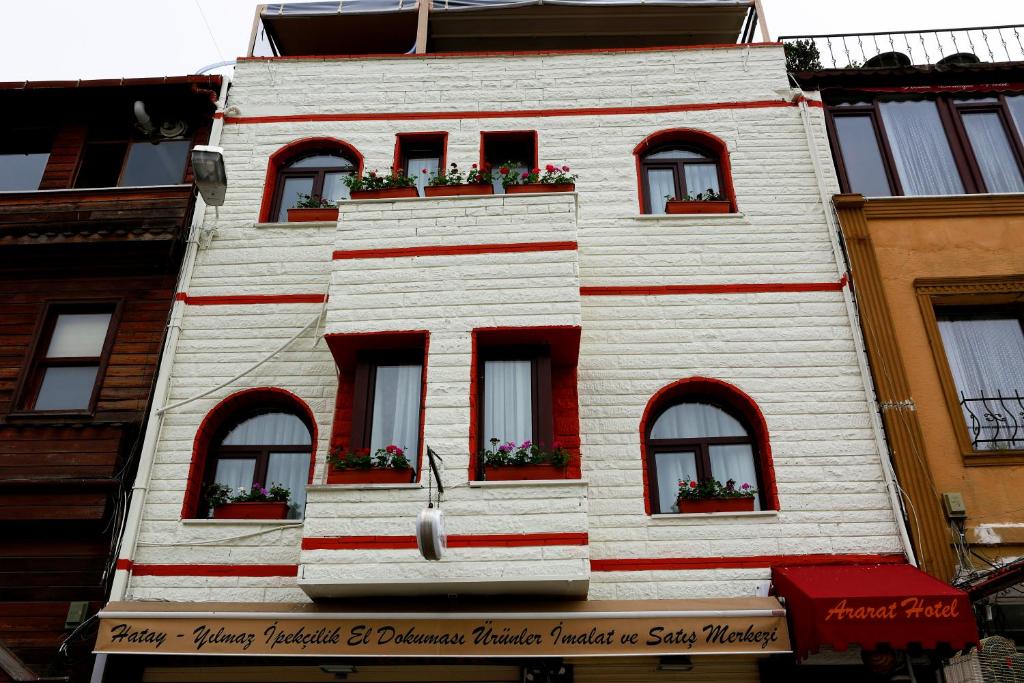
858,337
154,422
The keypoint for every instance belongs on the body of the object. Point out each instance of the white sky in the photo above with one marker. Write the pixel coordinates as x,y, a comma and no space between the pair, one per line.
71,39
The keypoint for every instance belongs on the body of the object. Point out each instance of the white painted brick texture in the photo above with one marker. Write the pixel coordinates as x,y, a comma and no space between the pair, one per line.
793,353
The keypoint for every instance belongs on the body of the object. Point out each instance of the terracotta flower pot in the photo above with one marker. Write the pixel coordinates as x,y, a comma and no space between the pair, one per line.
531,188
717,505
390,193
520,472
457,190
275,510
679,206
310,215
373,475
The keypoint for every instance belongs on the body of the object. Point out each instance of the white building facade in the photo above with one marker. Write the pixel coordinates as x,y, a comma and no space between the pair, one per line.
633,314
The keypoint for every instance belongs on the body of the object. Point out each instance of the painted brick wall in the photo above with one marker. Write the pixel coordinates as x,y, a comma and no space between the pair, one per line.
792,352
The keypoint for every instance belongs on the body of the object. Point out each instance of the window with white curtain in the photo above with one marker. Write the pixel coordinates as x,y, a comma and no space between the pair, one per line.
985,355
267,448
697,440
677,172
419,152
508,401
395,419
920,148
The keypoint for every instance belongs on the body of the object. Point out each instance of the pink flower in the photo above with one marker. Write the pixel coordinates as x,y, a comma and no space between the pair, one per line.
549,168
565,168
525,174
425,171
391,448
745,487
556,445
474,165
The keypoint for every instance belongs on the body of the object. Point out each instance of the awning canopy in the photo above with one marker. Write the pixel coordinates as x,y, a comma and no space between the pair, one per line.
873,606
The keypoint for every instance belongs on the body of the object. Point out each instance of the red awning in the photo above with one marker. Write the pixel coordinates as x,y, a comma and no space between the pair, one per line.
873,606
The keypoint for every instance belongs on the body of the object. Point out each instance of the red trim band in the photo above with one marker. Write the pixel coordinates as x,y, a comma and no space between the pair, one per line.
250,299
749,562
216,570
123,565
510,113
756,288
502,53
454,541
456,250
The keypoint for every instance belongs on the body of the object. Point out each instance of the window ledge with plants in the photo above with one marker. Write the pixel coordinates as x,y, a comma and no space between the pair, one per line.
387,465
709,496
256,503
689,516
527,461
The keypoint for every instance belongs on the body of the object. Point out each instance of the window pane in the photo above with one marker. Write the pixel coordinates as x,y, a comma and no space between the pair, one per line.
861,156
508,400
160,164
323,161
235,473
675,155
661,186
101,165
1016,104
700,178
736,462
992,149
695,421
396,409
78,335
293,187
414,169
986,357
920,148
66,388
270,429
335,188
290,470
22,171
673,468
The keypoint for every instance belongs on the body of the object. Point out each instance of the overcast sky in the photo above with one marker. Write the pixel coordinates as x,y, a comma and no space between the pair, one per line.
71,39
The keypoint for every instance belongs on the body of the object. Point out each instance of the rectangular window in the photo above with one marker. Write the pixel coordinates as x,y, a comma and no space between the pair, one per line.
515,401
69,359
518,149
23,158
125,163
920,148
862,157
419,152
387,402
993,151
985,353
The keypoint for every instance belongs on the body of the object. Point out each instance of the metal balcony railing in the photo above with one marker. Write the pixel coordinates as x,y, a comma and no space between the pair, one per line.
931,47
995,422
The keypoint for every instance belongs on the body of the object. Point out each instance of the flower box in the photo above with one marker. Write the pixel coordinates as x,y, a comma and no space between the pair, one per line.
532,188
373,475
390,193
679,206
311,215
269,510
520,472
745,504
457,190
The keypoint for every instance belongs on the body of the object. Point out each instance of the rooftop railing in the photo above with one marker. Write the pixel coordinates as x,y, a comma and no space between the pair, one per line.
931,47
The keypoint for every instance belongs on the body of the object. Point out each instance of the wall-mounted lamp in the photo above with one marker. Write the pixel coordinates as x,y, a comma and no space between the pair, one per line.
675,663
211,178
340,671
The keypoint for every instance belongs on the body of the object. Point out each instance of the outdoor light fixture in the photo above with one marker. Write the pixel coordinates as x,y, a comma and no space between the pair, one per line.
675,663
211,178
339,670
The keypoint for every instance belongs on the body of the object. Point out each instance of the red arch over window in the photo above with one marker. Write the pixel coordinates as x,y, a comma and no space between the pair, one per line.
299,148
224,415
687,136
725,394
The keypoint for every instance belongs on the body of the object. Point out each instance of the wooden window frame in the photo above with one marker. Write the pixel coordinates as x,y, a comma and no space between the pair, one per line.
678,168
128,142
30,381
700,449
950,115
319,174
365,386
542,406
967,295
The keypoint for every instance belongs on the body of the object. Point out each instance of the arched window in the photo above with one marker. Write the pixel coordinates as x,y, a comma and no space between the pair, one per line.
256,436
267,448
312,166
680,164
700,429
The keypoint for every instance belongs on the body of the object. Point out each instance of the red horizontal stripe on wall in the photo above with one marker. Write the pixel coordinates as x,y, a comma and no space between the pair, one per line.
455,250
250,299
454,541
216,570
123,565
754,288
748,562
511,113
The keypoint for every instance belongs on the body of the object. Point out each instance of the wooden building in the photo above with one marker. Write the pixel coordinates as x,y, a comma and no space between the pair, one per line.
96,199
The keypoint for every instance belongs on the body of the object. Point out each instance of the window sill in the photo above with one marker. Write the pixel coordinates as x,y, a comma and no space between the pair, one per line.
298,224
55,416
689,216
502,195
663,518
529,482
244,522
357,487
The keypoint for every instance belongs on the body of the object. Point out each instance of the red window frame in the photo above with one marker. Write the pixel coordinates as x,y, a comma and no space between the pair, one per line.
490,139
293,151
699,140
